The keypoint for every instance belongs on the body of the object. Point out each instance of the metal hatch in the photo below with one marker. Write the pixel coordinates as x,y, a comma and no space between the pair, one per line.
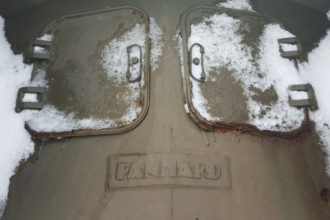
78,81
224,95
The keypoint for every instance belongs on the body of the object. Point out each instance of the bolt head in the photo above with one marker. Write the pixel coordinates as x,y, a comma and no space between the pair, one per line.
196,61
135,60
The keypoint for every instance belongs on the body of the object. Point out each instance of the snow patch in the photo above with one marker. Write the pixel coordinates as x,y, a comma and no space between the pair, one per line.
186,108
271,70
114,55
298,95
114,61
199,102
49,119
281,73
46,37
39,80
328,15
16,144
236,4
317,73
30,97
37,49
289,47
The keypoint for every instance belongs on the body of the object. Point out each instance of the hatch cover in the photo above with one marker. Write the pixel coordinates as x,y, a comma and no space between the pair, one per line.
231,71
97,74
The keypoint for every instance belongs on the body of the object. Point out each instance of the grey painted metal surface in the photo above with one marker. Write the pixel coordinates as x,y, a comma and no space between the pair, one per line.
69,178
318,5
168,170
9,8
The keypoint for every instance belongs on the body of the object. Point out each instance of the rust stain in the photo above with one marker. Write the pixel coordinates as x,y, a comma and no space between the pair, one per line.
241,128
324,193
218,127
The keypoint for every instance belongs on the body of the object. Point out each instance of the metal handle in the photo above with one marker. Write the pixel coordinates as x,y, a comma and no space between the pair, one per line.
191,61
41,92
132,62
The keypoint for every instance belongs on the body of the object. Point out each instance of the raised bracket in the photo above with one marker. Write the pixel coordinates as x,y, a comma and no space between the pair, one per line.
30,55
294,54
311,102
41,97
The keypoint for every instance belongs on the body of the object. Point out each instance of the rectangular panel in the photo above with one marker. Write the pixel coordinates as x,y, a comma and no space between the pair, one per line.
164,169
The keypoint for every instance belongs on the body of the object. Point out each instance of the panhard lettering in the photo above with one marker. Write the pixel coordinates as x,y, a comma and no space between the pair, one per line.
169,170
